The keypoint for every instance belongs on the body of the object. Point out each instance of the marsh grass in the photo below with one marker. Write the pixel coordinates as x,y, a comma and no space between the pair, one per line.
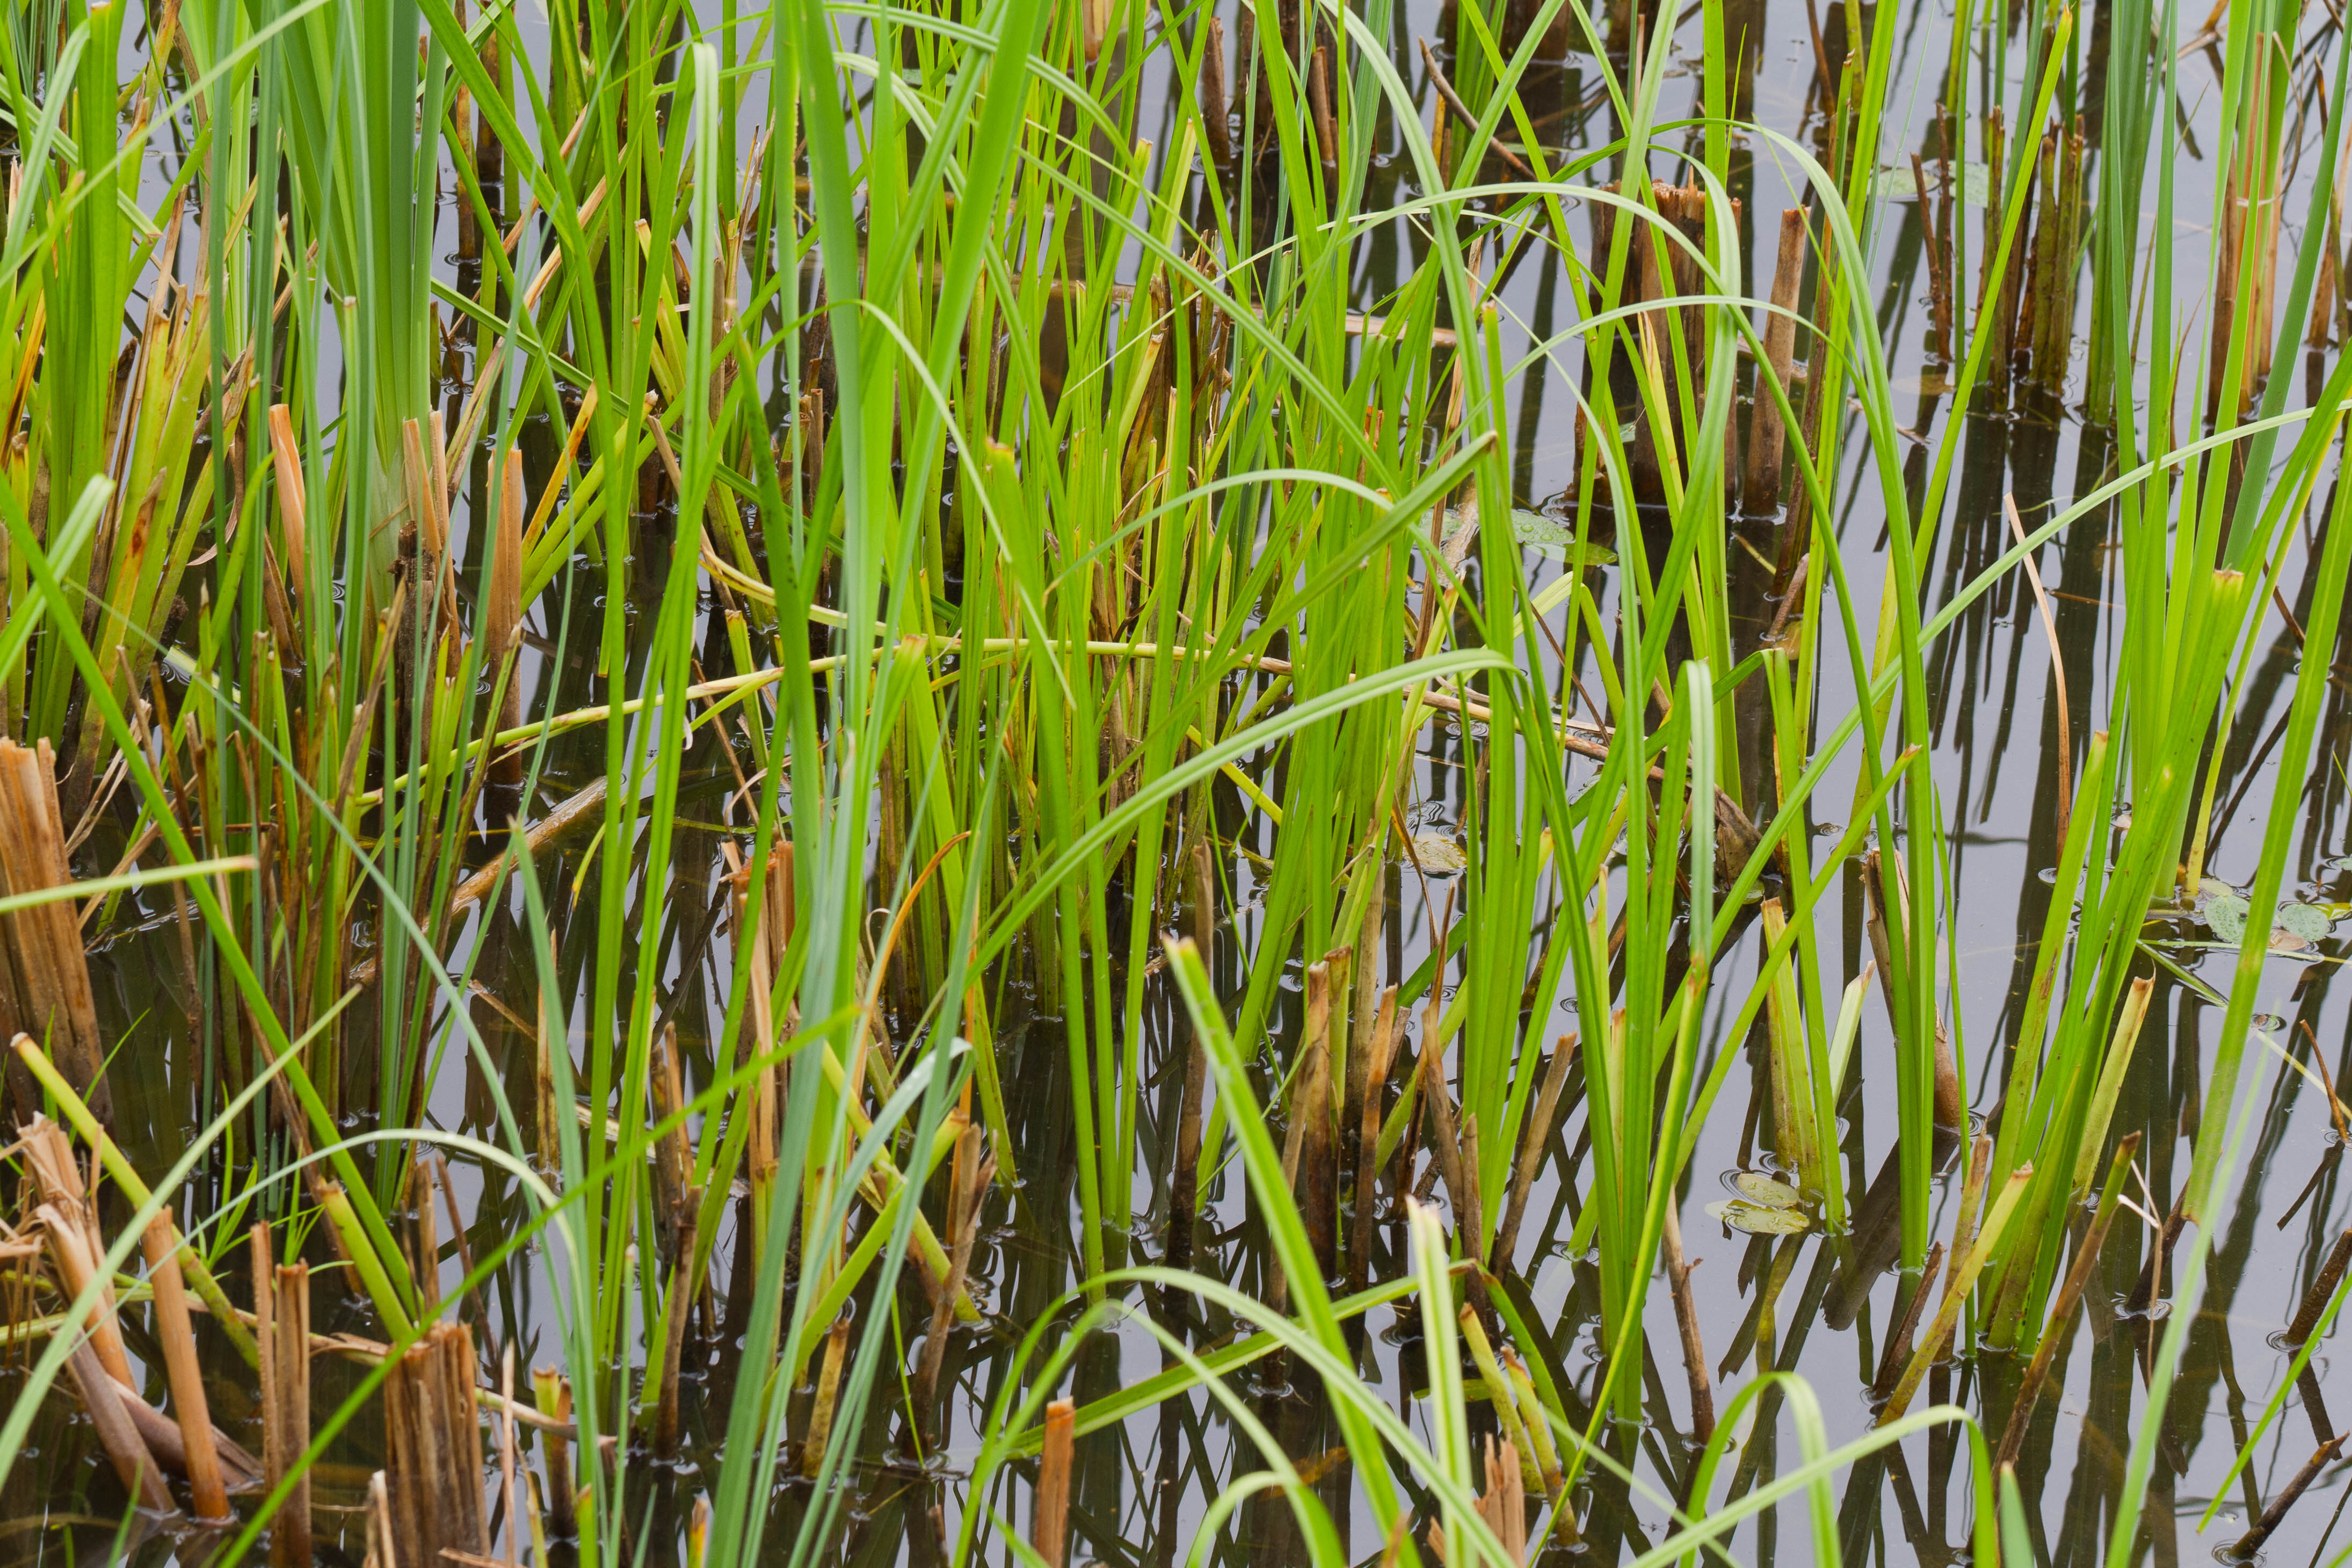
888,511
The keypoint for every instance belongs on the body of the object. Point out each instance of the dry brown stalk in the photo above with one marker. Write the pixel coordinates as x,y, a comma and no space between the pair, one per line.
673,1351
2062,1317
2315,1300
1678,1273
1215,113
1898,1344
502,617
1437,1097
968,1188
1504,1503
2275,1514
1997,313
239,1470
44,976
1308,1159
426,1266
1450,100
381,1552
282,1295
142,1477
1660,269
1533,1139
205,1483
1051,1529
1939,305
1318,100
77,1269
673,1156
1379,1055
507,1467
1475,1203
767,950
1768,435
428,502
829,1391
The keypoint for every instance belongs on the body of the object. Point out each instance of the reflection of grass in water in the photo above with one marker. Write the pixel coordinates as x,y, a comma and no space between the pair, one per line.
937,622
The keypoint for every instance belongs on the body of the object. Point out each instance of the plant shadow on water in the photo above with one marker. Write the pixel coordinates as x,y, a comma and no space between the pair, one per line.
1472,783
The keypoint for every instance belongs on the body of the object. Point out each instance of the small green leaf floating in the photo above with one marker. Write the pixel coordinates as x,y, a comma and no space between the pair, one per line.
1557,539
1437,855
2225,917
1769,1207
2306,923
1756,1219
2294,927
1757,1187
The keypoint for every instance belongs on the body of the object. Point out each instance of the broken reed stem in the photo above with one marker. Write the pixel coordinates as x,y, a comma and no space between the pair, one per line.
1939,306
1049,1533
1380,1054
828,1390
1499,1393
1898,1344
586,804
1678,1272
673,1154
1215,111
284,1336
1318,99
125,1449
165,1441
1768,435
433,1467
503,615
1449,99
1504,1503
1246,74
1971,1214
2314,1301
2061,1312
76,1267
1308,1166
427,1265
2252,1542
1537,1138
461,135
1445,1137
2049,323
1997,312
381,1551
177,1335
968,1187
673,1352
1962,1278
2058,334
552,1391
1476,1211
44,974
506,1465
